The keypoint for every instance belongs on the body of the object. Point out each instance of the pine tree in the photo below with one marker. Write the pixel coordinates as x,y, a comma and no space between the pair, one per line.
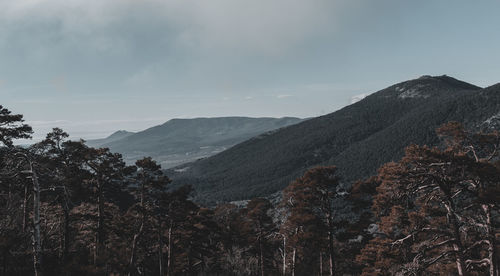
12,127
257,226
309,224
151,183
436,207
108,180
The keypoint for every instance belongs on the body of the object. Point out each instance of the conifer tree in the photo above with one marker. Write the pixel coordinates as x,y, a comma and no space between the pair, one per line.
309,222
257,226
12,126
436,206
151,183
108,180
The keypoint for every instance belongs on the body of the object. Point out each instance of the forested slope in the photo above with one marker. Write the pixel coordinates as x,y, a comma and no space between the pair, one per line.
358,139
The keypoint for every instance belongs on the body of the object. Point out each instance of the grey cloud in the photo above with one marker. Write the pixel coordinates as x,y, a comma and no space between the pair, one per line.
167,45
257,26
165,58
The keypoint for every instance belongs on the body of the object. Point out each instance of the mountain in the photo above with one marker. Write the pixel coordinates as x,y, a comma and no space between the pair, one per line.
358,139
120,134
184,140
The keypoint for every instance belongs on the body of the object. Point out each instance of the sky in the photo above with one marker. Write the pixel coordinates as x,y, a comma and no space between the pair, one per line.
94,67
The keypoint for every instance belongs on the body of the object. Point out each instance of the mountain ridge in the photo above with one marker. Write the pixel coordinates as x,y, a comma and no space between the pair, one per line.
117,135
347,137
182,140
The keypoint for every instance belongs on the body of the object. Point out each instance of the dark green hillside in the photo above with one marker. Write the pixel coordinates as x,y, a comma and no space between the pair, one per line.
358,138
477,110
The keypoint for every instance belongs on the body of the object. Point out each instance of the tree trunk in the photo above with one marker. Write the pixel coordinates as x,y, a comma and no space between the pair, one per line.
284,255
189,261
134,248
331,261
65,236
261,257
457,245
160,251
37,241
169,250
320,264
493,271
131,266
61,239
25,207
100,220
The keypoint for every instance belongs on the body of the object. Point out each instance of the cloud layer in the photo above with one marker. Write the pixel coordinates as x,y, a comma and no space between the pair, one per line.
130,60
156,44
217,26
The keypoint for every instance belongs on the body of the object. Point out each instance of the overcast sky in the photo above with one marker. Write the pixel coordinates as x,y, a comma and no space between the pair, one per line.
93,67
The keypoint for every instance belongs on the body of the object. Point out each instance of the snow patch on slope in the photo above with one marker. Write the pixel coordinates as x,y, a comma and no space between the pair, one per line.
181,170
492,122
415,91
492,119
357,98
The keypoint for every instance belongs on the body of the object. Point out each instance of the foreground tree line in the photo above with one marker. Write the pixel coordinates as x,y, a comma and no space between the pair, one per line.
69,209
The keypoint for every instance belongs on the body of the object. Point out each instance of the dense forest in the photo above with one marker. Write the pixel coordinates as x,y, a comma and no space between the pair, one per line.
70,209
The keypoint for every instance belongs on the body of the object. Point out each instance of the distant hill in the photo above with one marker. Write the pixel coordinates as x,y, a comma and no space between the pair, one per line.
358,139
183,140
120,134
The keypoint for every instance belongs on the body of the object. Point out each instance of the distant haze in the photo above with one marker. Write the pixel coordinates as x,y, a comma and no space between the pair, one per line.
94,67
180,141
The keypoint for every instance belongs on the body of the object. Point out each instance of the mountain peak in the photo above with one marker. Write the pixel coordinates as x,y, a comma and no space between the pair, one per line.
426,77
119,133
444,80
425,87
115,136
